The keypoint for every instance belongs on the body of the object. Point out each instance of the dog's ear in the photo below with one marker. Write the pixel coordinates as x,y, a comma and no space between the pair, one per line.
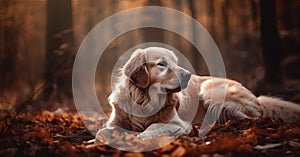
136,69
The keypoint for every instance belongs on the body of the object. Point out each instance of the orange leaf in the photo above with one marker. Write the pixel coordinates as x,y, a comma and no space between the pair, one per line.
180,151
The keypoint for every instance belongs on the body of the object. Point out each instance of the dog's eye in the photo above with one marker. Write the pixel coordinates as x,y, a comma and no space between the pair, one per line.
162,63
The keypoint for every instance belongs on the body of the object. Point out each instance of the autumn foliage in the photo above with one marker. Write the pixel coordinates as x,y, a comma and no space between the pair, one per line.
64,134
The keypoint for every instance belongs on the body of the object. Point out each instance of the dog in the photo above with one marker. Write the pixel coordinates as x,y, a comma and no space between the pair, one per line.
154,96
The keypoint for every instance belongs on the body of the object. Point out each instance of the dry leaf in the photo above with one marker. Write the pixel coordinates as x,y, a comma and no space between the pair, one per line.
180,151
294,144
133,154
267,146
167,148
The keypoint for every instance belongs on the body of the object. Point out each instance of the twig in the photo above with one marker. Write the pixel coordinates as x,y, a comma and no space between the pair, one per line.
18,109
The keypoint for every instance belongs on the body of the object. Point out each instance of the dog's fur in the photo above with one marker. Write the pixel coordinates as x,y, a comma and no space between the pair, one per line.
155,96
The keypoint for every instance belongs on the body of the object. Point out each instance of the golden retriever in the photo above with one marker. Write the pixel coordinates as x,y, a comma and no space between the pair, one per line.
154,96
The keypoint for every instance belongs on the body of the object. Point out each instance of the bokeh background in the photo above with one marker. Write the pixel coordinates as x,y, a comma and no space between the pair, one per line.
259,41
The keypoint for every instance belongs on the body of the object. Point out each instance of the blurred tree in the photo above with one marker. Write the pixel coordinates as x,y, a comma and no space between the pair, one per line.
59,48
270,42
195,55
8,45
153,34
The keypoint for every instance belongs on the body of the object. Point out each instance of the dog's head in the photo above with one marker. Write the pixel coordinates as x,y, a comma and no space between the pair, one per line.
156,66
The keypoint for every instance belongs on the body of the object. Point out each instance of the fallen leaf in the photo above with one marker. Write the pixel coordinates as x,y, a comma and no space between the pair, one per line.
180,151
267,146
167,148
133,154
293,131
294,144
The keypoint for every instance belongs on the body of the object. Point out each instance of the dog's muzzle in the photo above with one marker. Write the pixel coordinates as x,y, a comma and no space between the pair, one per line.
184,77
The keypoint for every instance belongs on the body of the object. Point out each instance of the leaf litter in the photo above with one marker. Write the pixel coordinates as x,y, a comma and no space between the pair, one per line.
64,134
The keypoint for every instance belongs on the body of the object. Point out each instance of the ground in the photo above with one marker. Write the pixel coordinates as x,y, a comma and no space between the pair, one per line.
63,134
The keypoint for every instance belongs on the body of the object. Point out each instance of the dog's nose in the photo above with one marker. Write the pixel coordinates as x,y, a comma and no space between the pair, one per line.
185,75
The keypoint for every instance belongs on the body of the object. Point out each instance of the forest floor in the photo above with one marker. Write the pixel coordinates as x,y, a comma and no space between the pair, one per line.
64,134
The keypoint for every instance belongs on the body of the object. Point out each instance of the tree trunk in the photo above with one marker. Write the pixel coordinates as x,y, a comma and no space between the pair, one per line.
194,52
270,42
153,34
59,47
8,48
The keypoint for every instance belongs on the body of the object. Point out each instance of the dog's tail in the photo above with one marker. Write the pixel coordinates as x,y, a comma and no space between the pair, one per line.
280,110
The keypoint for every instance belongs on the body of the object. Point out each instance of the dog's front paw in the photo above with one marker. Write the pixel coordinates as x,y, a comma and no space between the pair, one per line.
103,136
145,135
